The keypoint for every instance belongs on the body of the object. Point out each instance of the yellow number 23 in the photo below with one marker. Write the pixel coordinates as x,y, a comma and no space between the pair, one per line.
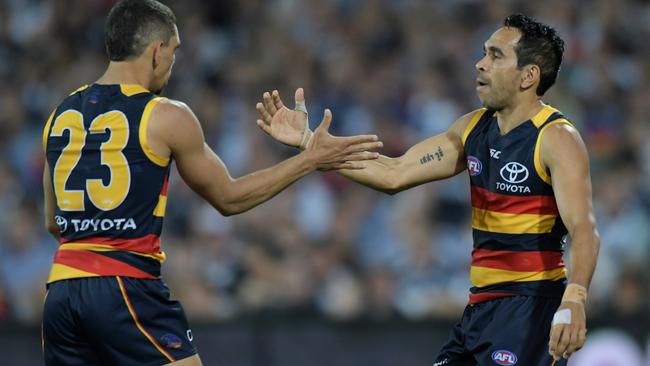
104,197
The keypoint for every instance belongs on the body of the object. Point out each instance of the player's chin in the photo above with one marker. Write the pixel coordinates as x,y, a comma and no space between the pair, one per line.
485,102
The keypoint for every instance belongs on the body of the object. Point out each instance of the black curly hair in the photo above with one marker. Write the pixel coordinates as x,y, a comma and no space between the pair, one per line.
539,45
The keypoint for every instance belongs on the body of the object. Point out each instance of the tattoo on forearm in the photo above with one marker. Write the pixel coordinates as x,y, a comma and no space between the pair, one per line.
438,155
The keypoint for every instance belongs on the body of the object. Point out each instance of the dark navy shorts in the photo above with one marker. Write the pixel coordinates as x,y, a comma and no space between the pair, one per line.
113,321
506,331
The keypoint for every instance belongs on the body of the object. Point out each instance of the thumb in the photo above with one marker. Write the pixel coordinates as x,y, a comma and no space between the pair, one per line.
300,100
327,120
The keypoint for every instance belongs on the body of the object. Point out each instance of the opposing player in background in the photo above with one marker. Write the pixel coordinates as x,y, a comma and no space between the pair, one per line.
108,149
530,186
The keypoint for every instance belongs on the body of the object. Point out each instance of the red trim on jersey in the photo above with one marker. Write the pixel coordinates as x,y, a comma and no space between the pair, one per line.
163,192
98,264
497,202
487,296
517,261
147,244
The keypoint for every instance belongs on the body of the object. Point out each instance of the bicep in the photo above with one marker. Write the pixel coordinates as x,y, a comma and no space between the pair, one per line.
201,168
435,158
570,178
197,164
438,157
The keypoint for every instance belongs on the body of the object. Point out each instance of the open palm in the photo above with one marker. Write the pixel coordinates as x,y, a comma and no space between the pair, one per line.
290,127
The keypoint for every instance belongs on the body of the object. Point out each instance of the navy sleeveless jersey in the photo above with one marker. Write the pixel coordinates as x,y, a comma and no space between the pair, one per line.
110,187
516,225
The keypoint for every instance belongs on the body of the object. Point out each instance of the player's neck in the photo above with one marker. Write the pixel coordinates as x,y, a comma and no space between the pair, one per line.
511,117
124,72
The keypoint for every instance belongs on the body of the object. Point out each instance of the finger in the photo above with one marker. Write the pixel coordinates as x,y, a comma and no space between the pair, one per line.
352,165
266,117
578,342
266,128
359,139
276,100
564,341
300,100
582,335
270,107
365,155
327,121
556,332
365,146
573,342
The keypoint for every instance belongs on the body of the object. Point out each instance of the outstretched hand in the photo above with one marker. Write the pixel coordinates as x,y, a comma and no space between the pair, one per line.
290,127
333,152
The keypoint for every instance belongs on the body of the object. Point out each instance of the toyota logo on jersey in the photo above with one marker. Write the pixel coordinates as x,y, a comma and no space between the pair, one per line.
61,222
514,172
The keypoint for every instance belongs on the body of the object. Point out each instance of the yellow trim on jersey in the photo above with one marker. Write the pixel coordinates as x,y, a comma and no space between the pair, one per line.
81,88
472,123
161,206
63,272
137,322
483,276
541,171
508,223
160,256
144,122
46,130
132,89
542,116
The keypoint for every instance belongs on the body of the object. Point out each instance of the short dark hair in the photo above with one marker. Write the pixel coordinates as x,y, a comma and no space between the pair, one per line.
539,45
132,24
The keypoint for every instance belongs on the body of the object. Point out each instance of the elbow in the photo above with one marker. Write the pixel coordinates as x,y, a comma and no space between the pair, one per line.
587,233
226,209
391,191
229,207
53,229
229,211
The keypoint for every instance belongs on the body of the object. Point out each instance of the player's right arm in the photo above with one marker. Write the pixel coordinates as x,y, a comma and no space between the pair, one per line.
435,158
174,131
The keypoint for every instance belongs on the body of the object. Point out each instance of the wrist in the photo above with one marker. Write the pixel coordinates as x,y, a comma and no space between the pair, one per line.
576,294
306,140
308,158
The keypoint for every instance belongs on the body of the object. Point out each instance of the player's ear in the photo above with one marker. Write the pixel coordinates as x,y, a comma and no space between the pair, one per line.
530,76
156,53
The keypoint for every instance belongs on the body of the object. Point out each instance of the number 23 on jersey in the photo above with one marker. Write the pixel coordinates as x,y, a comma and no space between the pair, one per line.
104,197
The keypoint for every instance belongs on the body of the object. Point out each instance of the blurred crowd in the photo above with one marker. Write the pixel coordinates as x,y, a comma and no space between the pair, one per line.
327,246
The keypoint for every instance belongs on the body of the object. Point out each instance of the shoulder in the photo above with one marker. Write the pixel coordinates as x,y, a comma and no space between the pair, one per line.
466,123
173,121
169,108
561,141
561,132
172,113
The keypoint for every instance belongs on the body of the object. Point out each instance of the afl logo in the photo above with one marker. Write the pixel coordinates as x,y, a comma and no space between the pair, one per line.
514,172
171,341
474,166
61,222
503,357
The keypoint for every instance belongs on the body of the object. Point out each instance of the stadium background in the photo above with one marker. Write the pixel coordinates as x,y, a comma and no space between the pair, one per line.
329,272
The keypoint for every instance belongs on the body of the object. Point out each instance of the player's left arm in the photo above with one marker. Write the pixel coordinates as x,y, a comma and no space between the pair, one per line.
564,154
49,202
